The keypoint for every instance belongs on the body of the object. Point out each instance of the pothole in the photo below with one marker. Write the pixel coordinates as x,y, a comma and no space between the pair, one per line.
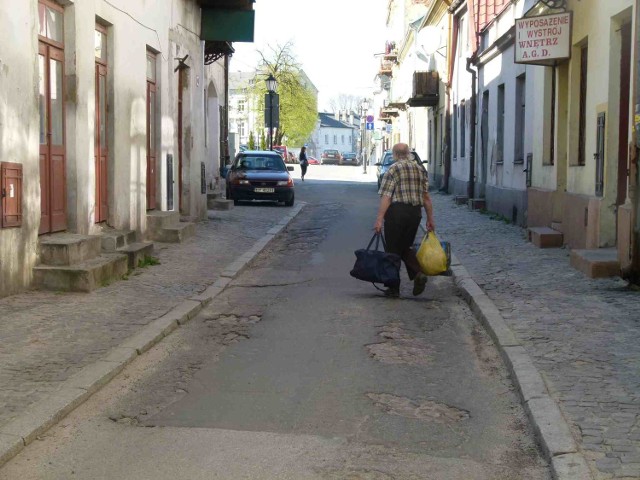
419,410
400,347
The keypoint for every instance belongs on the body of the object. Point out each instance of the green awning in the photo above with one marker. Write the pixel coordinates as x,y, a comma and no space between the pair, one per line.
227,25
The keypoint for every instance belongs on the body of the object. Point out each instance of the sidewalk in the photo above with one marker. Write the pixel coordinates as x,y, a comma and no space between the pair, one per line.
48,337
582,335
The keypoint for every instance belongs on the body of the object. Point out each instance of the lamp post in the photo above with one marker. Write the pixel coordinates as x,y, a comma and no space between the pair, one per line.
271,88
364,108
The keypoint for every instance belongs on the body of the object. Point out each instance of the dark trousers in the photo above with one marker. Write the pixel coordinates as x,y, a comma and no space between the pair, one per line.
303,168
401,224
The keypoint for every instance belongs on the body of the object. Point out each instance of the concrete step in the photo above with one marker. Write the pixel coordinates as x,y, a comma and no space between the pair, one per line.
61,249
174,234
545,237
157,220
214,195
113,240
219,204
460,199
81,277
136,252
597,263
477,204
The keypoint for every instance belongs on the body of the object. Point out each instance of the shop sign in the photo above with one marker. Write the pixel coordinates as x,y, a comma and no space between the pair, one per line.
543,40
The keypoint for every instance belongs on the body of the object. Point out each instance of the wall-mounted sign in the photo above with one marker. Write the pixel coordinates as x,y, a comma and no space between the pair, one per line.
543,40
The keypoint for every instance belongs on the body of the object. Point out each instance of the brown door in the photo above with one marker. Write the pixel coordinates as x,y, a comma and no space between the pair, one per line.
101,149
52,139
180,87
625,86
151,146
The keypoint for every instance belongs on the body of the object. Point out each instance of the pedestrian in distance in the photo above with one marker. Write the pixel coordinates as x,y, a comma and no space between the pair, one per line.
404,191
304,163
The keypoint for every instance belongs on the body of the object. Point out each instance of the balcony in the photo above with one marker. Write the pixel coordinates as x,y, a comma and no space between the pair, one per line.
227,20
426,87
391,52
386,68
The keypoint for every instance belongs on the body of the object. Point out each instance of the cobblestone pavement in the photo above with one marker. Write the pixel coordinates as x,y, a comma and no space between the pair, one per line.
582,334
46,337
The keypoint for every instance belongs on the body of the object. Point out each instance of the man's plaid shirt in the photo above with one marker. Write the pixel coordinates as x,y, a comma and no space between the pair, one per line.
405,182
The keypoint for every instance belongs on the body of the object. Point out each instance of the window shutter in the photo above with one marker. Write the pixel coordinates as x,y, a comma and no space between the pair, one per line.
11,194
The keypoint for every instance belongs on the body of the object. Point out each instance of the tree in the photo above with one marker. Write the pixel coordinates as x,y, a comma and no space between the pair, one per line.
298,102
263,141
350,103
252,141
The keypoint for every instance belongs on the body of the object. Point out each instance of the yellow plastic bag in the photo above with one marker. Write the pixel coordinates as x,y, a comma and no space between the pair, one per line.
431,256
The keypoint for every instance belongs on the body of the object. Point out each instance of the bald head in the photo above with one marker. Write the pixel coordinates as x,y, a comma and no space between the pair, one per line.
401,151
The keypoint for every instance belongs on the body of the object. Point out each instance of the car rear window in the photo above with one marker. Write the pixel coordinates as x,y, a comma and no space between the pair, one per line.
333,152
260,162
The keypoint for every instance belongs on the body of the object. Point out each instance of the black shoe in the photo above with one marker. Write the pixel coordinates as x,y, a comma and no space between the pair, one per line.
419,283
392,293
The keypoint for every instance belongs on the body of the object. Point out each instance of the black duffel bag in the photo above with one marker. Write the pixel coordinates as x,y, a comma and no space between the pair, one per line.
377,266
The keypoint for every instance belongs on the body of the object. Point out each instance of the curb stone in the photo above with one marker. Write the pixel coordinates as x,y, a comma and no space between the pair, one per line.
47,412
551,428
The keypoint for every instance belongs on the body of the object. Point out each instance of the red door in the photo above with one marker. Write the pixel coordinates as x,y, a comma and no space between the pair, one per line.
101,148
151,145
52,139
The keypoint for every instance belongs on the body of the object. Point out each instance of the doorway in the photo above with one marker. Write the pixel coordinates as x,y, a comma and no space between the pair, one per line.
100,145
53,204
151,131
623,135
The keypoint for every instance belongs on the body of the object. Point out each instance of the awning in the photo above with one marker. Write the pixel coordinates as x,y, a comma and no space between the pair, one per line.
221,25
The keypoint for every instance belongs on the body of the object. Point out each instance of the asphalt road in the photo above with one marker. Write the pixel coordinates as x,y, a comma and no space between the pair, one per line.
299,371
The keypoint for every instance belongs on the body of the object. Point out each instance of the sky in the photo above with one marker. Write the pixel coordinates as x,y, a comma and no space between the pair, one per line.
334,40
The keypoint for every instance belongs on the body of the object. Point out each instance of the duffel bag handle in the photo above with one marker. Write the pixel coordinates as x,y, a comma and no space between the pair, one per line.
377,237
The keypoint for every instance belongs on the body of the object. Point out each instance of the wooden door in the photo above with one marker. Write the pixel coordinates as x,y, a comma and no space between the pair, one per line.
151,146
101,146
180,88
52,139
623,138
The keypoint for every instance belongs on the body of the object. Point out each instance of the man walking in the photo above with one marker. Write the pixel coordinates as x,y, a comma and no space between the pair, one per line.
403,192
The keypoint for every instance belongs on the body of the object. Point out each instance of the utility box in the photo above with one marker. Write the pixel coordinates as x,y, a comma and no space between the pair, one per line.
11,194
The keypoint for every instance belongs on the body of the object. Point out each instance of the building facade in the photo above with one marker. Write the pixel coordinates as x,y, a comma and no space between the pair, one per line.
107,113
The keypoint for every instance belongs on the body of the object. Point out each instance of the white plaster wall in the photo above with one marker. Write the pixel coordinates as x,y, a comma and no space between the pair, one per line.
341,146
19,137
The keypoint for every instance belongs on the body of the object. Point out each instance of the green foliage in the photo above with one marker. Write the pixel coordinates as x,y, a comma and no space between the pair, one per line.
263,141
148,260
252,141
298,101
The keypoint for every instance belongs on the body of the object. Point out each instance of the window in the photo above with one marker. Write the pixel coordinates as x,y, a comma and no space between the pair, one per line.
463,130
241,105
50,22
584,56
326,139
599,156
484,128
519,131
335,139
342,139
500,124
462,38
241,130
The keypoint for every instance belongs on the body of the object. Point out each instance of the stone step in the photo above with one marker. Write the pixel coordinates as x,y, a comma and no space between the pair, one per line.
460,199
219,204
61,249
545,237
557,226
214,195
157,220
81,277
136,252
113,240
477,204
174,234
597,263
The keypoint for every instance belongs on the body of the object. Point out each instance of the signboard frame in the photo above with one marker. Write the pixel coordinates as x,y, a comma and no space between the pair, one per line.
549,62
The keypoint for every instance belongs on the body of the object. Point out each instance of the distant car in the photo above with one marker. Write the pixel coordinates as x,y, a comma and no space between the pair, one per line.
259,175
349,159
330,157
387,161
313,161
285,153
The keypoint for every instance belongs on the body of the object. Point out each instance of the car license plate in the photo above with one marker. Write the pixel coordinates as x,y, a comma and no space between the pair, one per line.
264,190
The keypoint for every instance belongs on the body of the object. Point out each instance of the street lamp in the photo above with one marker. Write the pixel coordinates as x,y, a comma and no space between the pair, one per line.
364,108
272,83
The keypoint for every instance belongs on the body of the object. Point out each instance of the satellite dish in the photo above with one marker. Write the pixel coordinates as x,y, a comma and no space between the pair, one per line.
430,39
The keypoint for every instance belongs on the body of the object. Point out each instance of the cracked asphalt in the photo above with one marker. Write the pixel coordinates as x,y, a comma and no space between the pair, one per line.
296,370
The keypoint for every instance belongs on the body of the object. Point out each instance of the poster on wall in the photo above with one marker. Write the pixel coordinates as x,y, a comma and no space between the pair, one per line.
543,40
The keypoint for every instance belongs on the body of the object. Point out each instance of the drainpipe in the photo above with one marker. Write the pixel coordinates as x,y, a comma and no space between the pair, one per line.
472,133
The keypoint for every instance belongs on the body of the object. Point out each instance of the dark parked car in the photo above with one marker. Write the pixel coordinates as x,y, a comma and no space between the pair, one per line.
350,159
330,156
387,161
259,175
